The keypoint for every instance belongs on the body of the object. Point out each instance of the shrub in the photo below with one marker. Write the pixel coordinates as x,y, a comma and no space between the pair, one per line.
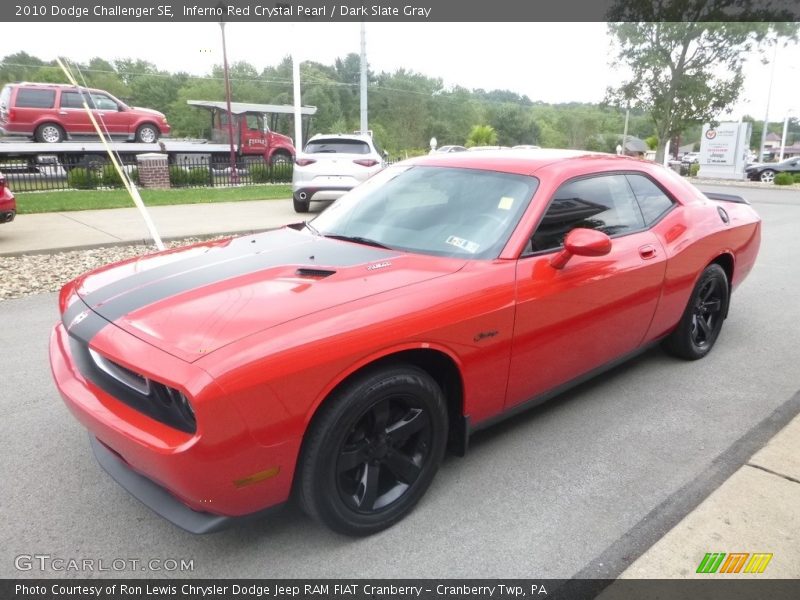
110,178
182,176
259,173
694,169
82,179
199,176
797,177
784,179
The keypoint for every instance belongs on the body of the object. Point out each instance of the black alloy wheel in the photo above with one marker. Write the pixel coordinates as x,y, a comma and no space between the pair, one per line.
701,322
383,454
372,450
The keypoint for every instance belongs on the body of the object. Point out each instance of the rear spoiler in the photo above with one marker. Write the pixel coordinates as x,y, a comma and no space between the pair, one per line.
725,197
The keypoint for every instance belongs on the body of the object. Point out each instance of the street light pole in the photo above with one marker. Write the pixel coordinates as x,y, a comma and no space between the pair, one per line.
785,130
769,96
234,173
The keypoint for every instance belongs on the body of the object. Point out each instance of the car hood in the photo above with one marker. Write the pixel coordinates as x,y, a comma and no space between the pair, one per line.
149,111
193,301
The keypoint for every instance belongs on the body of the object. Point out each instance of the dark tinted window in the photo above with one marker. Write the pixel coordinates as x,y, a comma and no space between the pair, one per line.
605,203
71,100
652,199
29,98
337,146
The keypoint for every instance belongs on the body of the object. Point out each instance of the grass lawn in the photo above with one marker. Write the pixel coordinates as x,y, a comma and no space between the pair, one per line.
39,202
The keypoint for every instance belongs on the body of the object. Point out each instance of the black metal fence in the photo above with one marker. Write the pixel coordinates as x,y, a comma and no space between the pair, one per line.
96,172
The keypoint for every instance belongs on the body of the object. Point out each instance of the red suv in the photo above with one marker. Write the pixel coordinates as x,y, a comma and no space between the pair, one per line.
53,112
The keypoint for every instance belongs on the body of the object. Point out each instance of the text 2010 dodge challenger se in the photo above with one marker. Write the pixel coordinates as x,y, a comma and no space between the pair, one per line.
337,360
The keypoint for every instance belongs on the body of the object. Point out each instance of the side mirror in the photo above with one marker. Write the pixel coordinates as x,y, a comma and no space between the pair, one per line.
582,242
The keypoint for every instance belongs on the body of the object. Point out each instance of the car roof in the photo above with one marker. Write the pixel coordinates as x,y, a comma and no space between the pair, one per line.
527,162
343,136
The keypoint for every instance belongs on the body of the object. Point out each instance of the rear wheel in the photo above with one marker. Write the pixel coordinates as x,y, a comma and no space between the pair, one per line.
50,133
373,450
301,206
701,322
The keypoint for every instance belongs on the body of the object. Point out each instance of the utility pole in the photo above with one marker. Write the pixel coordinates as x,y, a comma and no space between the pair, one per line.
364,120
625,132
298,117
234,173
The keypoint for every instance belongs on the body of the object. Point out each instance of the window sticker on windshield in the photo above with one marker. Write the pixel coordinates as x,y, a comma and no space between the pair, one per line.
505,203
458,242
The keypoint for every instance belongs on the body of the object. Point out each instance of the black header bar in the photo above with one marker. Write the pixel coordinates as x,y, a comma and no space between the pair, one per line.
394,10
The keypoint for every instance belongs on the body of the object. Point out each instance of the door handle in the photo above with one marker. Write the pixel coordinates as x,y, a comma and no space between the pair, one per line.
63,112
648,251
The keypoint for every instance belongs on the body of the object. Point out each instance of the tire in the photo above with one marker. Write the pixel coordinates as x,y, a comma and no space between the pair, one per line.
147,134
301,206
280,158
702,320
50,133
373,450
767,176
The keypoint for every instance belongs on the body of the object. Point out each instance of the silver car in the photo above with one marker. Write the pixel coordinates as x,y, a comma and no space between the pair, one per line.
331,165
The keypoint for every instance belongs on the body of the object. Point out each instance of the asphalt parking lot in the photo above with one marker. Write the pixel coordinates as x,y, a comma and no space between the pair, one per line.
582,485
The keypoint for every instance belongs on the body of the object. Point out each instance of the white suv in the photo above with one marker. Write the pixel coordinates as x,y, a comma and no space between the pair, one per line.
331,165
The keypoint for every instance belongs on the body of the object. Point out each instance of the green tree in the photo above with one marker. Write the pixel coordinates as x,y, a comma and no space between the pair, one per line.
482,135
686,68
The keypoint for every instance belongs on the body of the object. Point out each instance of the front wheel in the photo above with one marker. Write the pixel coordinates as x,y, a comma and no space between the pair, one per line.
768,176
701,322
373,450
147,134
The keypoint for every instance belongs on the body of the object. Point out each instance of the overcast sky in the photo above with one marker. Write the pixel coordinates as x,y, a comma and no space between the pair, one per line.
551,62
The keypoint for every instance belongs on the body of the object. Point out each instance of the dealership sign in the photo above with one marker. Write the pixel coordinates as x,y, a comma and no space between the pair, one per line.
723,150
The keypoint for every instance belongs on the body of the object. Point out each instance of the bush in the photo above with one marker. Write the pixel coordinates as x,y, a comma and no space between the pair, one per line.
694,169
784,179
82,179
797,177
110,178
259,173
182,177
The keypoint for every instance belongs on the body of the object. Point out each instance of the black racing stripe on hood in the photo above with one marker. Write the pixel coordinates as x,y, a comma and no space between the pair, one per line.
183,276
235,248
87,327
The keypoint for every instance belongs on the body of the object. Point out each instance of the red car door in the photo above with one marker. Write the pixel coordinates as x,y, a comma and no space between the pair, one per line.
572,320
109,116
72,114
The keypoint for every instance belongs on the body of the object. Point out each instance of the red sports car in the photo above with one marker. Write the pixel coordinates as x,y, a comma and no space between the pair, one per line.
8,204
335,361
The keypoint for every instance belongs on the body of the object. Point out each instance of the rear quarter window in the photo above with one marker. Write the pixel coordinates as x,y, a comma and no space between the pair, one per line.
653,201
28,98
337,146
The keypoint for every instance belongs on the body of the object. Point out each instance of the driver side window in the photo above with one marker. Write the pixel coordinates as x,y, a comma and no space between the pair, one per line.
603,202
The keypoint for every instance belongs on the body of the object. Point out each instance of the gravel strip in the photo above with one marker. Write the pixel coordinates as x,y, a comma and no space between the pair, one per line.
38,273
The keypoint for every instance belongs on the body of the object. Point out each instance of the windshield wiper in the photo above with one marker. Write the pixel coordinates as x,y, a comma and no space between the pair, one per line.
357,239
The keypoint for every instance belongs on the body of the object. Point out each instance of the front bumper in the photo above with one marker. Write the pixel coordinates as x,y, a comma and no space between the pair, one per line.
211,472
159,500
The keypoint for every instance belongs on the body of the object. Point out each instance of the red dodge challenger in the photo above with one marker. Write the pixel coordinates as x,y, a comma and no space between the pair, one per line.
336,361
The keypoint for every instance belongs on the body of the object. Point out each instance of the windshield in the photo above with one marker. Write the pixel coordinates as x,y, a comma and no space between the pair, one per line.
468,213
337,146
